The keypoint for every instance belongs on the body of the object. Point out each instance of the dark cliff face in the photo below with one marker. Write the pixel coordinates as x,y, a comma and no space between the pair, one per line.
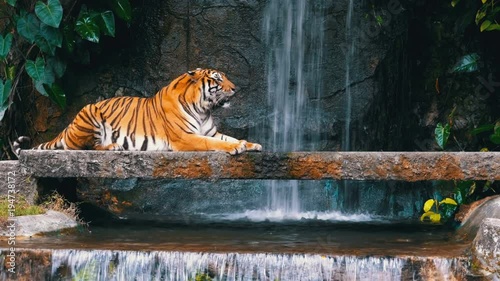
394,66
168,38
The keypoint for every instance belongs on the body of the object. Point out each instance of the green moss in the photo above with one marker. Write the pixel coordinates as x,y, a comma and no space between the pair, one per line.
22,208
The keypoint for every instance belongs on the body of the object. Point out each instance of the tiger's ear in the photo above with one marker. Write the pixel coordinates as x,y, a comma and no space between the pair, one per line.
192,73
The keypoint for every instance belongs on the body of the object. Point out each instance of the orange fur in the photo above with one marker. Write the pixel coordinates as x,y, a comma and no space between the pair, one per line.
177,118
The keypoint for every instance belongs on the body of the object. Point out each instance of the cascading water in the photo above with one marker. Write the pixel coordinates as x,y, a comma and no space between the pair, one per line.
294,37
160,265
349,53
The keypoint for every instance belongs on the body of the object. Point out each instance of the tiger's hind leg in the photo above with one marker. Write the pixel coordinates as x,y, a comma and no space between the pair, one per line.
83,132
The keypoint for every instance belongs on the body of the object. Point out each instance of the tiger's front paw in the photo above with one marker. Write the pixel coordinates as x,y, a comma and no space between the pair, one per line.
253,146
238,148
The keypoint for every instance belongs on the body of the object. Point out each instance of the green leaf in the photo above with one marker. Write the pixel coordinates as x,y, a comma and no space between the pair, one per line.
69,41
482,128
4,96
122,9
50,13
5,44
57,66
428,205
454,2
39,87
3,109
56,93
447,211
11,2
484,25
44,45
28,27
51,34
459,197
87,28
495,138
36,69
47,77
493,26
467,63
448,201
11,72
442,134
108,23
5,91
481,13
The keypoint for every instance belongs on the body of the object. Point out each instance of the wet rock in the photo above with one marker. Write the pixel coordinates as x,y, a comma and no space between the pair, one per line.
472,219
486,248
38,224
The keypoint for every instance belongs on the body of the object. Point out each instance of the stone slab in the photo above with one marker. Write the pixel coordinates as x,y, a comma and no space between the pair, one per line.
13,177
405,166
32,225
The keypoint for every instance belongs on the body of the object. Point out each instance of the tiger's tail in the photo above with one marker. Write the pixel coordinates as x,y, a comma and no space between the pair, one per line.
16,145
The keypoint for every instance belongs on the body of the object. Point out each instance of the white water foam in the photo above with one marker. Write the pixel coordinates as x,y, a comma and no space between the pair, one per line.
280,216
156,265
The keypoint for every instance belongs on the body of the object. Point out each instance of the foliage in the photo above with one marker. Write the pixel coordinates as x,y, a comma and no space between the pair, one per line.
494,129
47,35
23,208
442,134
486,15
467,63
58,203
435,210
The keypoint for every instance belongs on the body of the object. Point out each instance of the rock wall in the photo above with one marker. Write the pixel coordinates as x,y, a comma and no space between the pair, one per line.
168,38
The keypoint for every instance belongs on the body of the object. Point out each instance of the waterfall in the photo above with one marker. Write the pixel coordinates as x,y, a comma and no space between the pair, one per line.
346,141
293,32
163,265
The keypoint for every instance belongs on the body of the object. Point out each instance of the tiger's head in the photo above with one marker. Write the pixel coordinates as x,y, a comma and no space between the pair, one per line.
215,87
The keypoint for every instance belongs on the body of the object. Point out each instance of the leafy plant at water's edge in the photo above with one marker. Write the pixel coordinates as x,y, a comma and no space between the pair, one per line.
486,15
39,38
435,211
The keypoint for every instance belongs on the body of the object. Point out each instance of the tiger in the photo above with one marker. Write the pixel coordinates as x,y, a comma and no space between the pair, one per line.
176,118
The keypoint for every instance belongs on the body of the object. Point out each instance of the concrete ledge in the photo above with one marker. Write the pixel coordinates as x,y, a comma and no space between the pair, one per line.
14,178
405,166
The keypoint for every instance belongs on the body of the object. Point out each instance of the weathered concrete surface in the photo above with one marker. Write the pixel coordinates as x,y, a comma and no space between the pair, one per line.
473,218
486,248
14,178
38,224
405,166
